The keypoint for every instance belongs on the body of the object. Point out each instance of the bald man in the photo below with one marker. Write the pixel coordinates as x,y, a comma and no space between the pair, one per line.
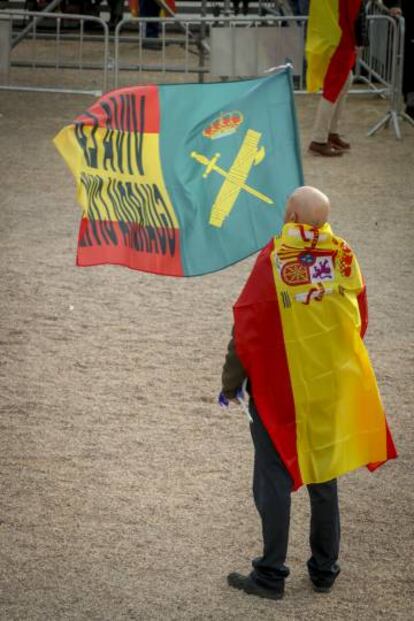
272,484
308,205
304,277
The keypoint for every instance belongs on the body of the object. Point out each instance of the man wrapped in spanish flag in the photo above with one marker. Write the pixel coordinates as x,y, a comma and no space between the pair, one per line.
314,402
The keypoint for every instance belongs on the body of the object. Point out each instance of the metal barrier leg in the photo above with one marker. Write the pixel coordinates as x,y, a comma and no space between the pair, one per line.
382,123
393,117
5,47
395,124
407,117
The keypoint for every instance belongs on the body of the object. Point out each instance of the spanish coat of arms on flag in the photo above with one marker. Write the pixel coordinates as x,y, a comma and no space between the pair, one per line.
184,179
299,327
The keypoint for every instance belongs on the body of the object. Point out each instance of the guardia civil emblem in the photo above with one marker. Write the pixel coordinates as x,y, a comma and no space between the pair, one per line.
250,154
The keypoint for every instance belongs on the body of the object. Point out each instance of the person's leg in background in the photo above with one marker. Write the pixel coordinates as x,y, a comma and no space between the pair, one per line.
236,4
319,144
149,8
324,535
300,7
116,11
326,124
333,136
295,6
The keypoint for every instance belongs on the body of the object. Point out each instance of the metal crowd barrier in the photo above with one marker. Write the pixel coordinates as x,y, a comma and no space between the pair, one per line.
239,47
224,47
180,48
228,47
383,63
377,63
205,48
27,52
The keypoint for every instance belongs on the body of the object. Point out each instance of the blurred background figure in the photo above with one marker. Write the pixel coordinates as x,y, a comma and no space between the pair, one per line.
245,6
300,7
116,11
150,8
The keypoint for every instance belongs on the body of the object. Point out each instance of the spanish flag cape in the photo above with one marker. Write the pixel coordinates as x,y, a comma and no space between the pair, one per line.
299,323
330,45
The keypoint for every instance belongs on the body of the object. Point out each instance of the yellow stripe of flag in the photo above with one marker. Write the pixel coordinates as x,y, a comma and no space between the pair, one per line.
323,36
340,423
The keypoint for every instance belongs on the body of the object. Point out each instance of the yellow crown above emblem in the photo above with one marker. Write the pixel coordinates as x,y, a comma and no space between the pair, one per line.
224,125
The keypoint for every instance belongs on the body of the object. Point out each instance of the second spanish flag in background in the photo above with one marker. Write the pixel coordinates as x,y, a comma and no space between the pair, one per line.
330,45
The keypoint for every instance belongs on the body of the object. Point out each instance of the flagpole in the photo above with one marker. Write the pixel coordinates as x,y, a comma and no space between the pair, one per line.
242,402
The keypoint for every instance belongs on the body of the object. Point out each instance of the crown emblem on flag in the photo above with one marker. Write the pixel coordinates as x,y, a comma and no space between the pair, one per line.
224,125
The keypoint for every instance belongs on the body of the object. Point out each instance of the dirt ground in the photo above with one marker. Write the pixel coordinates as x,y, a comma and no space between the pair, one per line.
125,491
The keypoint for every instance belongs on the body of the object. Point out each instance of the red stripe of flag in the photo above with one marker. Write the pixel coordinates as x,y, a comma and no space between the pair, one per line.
102,242
126,111
260,346
344,56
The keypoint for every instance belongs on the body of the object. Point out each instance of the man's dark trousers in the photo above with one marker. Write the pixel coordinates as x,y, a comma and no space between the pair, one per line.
149,8
272,486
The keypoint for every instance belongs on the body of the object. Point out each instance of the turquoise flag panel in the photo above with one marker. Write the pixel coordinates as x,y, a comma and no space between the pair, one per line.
230,158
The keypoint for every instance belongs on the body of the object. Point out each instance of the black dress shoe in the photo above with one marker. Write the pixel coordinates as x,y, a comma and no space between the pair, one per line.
249,586
322,586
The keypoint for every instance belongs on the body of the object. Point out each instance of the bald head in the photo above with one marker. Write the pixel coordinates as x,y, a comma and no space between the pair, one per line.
307,205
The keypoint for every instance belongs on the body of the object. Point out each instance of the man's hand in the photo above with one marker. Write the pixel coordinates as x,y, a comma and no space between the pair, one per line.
224,401
395,11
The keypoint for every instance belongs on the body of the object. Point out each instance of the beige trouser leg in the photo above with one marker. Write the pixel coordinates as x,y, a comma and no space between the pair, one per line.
328,114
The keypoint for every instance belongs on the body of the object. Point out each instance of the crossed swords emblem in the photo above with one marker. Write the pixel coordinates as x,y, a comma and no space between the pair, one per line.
249,155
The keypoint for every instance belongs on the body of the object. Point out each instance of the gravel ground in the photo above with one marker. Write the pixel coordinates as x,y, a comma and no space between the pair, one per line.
125,492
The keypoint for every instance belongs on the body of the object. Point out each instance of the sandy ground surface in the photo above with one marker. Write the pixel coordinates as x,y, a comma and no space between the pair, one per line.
125,491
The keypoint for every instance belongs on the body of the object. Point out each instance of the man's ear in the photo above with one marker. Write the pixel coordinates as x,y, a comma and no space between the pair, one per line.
291,216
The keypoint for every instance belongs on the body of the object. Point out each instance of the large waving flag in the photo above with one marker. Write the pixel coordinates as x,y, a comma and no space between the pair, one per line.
183,179
299,323
330,45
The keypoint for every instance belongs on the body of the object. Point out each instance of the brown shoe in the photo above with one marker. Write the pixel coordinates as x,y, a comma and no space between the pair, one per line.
336,141
324,148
